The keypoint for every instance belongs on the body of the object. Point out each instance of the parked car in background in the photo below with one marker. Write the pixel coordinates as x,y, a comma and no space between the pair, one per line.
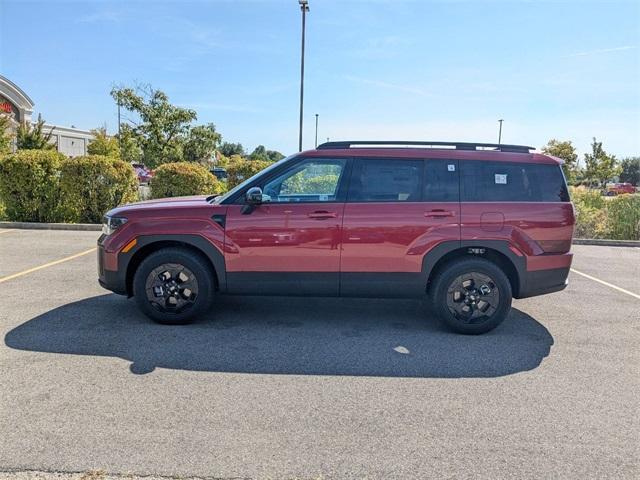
144,174
619,188
219,172
468,226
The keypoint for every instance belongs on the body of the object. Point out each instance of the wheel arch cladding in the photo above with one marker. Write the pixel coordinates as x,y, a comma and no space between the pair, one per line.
496,252
194,243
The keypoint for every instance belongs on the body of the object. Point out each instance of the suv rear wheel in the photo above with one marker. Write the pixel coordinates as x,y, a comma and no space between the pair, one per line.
173,285
471,295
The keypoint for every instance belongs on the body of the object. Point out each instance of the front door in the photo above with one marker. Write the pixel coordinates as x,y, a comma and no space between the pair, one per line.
396,211
289,245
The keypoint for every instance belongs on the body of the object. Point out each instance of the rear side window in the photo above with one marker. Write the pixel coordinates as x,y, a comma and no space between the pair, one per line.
386,180
512,182
441,182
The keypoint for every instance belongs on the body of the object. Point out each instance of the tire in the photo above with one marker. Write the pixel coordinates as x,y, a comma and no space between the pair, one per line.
181,297
451,291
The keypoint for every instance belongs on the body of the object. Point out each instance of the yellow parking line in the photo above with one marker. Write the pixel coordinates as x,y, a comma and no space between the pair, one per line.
7,230
610,285
46,265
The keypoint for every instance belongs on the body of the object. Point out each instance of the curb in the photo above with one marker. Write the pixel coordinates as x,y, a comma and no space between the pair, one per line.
606,243
83,227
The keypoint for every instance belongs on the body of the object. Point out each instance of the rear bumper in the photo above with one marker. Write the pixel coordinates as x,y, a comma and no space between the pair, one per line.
541,282
545,274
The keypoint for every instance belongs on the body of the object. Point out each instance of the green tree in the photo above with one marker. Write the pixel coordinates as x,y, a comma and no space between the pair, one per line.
261,153
130,149
600,166
6,135
32,136
103,144
566,152
229,149
161,128
630,170
201,143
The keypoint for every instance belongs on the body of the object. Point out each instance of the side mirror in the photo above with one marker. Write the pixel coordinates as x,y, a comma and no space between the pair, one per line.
254,196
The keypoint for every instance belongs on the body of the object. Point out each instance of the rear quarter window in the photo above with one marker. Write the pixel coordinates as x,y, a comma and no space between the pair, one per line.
512,182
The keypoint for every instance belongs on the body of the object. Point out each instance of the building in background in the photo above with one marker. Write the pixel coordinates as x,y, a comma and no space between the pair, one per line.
16,103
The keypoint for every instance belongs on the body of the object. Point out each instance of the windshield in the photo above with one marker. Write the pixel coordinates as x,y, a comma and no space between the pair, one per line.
240,186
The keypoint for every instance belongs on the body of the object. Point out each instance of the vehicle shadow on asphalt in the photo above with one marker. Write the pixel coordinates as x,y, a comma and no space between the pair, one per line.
288,335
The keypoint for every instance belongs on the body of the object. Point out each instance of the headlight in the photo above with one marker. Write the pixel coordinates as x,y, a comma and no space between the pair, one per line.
111,224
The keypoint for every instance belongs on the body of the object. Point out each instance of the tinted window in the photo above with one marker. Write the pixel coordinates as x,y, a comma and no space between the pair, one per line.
386,180
309,181
441,181
512,182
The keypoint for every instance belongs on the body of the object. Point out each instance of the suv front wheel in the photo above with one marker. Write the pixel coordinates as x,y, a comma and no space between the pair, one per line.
173,285
471,295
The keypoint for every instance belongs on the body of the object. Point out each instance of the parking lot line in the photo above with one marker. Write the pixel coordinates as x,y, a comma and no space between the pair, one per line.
610,285
7,230
46,265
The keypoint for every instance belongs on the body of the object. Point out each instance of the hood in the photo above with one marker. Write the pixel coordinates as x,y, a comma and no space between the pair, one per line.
161,203
173,200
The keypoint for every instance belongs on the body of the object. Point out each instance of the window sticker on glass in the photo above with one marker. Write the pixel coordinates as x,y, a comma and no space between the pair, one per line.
501,178
451,168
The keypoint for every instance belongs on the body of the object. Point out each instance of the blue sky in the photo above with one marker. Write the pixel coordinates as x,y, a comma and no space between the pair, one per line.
436,70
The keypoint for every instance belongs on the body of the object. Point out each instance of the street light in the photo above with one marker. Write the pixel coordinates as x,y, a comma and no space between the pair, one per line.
316,130
304,7
500,132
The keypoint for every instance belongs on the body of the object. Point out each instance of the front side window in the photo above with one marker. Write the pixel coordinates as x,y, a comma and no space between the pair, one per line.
386,180
314,180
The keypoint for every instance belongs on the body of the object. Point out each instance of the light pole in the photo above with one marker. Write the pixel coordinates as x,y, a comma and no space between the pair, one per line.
500,132
316,130
119,133
304,7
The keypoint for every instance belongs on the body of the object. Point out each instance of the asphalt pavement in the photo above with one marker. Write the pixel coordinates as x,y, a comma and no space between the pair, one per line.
310,388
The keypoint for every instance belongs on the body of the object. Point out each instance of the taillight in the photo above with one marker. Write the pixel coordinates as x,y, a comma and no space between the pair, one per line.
555,246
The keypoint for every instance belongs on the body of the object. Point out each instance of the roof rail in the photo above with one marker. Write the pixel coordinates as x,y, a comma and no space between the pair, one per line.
399,144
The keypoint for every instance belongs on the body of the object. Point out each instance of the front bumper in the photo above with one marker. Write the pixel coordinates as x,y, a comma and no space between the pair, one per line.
113,280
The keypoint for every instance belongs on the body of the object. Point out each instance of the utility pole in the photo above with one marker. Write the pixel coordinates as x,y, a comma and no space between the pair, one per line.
119,133
316,130
500,132
304,7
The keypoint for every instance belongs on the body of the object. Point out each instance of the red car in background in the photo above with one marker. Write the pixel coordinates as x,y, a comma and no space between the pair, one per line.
620,188
143,173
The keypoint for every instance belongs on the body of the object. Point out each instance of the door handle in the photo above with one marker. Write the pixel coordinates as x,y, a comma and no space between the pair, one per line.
440,213
322,215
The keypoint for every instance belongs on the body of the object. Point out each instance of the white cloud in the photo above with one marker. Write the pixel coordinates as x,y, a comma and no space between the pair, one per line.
603,50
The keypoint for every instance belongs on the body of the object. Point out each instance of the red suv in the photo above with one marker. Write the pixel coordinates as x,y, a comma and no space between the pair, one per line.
468,225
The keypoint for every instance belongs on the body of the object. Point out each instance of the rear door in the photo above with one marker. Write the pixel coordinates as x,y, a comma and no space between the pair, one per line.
397,210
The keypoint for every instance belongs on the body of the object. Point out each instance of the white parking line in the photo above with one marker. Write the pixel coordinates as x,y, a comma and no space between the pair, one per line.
46,265
610,285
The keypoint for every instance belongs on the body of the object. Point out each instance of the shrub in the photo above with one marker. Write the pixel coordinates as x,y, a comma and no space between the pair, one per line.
182,179
29,185
611,217
623,213
92,185
238,169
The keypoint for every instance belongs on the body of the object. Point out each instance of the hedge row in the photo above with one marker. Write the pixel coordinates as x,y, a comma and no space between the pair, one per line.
45,186
182,179
616,218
